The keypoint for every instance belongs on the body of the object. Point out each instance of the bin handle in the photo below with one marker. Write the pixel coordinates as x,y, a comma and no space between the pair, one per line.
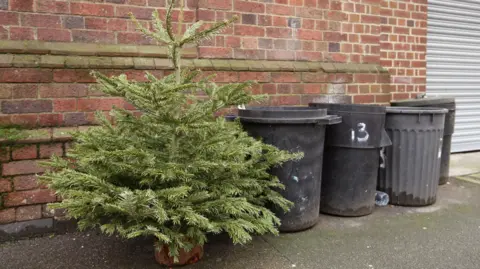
330,120
385,140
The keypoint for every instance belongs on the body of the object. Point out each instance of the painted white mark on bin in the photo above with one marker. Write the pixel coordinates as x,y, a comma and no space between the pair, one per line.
363,130
382,157
363,134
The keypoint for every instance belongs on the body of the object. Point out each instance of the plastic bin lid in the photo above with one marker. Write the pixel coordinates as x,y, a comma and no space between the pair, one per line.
287,115
415,110
350,108
355,117
427,101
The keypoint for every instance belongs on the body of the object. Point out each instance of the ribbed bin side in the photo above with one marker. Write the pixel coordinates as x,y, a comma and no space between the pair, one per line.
412,166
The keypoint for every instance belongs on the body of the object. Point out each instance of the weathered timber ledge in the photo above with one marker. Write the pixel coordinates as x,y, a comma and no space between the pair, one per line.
87,49
46,135
143,63
105,56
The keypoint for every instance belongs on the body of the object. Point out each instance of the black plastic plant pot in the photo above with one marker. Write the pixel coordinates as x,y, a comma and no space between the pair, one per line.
448,103
296,129
230,117
352,158
412,164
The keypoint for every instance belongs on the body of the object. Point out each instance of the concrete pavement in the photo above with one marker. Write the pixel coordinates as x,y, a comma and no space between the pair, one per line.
443,236
464,164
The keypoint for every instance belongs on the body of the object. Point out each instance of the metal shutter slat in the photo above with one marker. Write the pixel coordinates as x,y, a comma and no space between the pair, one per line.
453,64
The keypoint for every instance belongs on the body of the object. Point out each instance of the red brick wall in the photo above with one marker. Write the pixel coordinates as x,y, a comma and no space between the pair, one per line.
22,198
305,30
55,97
313,30
403,45
99,21
62,97
388,33
362,29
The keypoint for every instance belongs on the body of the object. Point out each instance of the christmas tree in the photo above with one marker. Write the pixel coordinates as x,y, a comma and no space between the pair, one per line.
176,172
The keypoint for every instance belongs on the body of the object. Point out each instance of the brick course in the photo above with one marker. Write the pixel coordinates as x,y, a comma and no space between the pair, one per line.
24,152
5,185
7,215
21,167
22,183
68,101
42,196
32,212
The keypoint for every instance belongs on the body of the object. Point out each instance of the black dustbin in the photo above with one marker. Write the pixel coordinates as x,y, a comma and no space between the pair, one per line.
412,164
351,159
448,103
296,129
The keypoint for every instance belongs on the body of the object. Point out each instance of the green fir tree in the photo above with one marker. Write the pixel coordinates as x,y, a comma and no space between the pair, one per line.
176,172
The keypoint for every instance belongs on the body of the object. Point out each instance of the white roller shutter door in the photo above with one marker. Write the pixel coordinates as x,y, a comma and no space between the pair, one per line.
453,64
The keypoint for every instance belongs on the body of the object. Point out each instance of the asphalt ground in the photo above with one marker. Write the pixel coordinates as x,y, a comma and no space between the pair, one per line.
445,235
